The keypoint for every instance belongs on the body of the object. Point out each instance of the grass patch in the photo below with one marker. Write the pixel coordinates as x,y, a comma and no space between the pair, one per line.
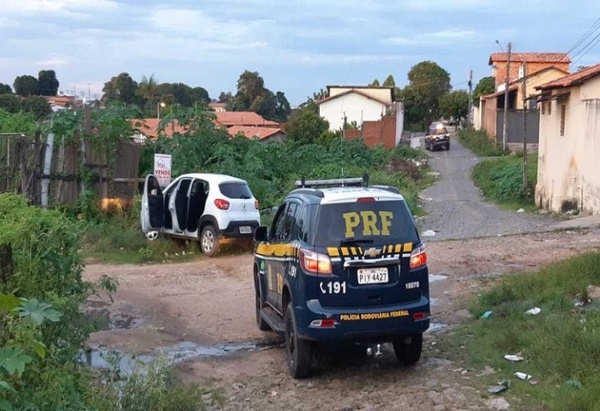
501,180
111,242
479,143
559,345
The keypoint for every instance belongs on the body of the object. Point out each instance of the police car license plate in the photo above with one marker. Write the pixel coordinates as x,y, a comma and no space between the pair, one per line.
372,275
245,229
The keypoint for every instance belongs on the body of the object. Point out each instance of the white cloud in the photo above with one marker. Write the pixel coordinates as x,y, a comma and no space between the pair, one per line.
6,23
25,7
54,61
435,38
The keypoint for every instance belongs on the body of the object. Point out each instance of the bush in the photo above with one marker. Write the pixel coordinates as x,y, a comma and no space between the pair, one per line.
479,143
501,179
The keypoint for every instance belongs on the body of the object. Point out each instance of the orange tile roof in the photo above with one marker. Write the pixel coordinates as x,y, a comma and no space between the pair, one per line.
149,127
573,79
254,132
242,118
531,57
217,105
60,100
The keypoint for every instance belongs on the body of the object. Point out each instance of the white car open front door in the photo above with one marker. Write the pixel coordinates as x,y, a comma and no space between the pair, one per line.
153,207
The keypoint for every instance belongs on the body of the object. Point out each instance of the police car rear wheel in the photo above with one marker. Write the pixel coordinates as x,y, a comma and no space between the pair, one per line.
260,322
408,352
298,350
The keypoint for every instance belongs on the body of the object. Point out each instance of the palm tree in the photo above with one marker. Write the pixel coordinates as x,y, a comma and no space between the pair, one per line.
147,88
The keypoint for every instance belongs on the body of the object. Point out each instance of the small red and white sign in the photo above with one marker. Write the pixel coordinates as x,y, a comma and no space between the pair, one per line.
162,169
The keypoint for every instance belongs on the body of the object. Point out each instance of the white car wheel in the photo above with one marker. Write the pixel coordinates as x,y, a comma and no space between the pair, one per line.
152,235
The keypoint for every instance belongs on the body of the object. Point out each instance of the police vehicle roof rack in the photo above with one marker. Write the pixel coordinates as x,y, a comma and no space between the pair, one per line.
336,182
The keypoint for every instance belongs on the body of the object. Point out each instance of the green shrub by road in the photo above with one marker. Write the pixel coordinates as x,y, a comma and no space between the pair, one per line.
479,143
501,180
560,346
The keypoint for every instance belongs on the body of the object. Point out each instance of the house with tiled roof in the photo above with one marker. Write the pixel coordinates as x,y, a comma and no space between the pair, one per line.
218,106
265,134
148,128
491,107
569,148
242,118
534,61
355,104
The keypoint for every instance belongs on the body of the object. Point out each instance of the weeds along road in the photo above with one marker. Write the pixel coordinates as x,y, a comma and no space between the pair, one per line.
456,209
210,303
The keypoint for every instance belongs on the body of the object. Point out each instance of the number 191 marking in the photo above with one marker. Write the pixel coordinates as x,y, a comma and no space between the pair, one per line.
333,287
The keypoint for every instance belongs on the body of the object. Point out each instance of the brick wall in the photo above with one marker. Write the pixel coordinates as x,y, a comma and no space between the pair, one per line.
500,71
375,133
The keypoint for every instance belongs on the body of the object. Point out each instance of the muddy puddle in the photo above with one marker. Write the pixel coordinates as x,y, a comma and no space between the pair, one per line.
125,362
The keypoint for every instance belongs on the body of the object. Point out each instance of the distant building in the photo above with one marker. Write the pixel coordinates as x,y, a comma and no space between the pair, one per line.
355,104
218,107
266,134
535,62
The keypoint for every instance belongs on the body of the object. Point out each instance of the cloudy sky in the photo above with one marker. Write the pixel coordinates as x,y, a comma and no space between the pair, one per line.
297,46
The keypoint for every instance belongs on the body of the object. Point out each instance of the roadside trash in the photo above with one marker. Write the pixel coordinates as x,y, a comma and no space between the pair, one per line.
513,357
521,210
428,233
486,315
574,384
523,376
534,311
497,389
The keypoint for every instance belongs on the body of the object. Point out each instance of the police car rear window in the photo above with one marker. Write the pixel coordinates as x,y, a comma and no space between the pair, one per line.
235,190
376,222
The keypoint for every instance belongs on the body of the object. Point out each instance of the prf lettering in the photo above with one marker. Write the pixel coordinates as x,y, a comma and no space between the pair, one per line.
372,223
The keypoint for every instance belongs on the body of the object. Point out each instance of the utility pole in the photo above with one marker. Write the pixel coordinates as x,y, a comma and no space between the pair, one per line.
469,118
506,93
524,127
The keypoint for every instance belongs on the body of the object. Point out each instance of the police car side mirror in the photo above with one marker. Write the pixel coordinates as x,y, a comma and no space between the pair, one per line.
260,234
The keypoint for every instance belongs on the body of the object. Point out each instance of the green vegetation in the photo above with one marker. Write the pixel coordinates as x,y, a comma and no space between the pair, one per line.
501,180
43,331
479,143
17,122
560,346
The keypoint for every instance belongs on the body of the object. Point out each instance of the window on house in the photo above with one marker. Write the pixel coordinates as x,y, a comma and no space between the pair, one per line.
563,114
543,108
549,107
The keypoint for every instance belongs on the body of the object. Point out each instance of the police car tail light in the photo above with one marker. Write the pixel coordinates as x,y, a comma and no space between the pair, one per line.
256,204
418,258
222,204
365,200
324,323
315,263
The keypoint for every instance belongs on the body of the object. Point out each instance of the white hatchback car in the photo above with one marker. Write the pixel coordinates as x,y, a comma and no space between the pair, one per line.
205,207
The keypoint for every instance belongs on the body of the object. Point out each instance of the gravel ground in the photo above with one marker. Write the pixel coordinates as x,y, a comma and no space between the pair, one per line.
456,209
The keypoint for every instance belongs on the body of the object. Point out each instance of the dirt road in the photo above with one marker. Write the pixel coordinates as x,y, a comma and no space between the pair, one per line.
209,302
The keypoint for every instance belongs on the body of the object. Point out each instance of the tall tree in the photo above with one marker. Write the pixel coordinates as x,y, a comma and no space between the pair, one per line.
200,95
48,83
250,85
147,88
225,97
427,82
10,103
389,81
282,107
485,86
5,89
120,88
375,83
455,105
26,85
305,125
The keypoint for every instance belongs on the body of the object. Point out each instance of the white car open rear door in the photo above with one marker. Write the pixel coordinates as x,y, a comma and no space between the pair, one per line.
153,207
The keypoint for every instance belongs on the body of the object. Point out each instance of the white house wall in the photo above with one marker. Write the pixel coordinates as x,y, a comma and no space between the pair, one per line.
382,94
568,166
354,106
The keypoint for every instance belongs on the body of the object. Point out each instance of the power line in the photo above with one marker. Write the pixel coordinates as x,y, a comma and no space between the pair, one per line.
587,49
593,28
